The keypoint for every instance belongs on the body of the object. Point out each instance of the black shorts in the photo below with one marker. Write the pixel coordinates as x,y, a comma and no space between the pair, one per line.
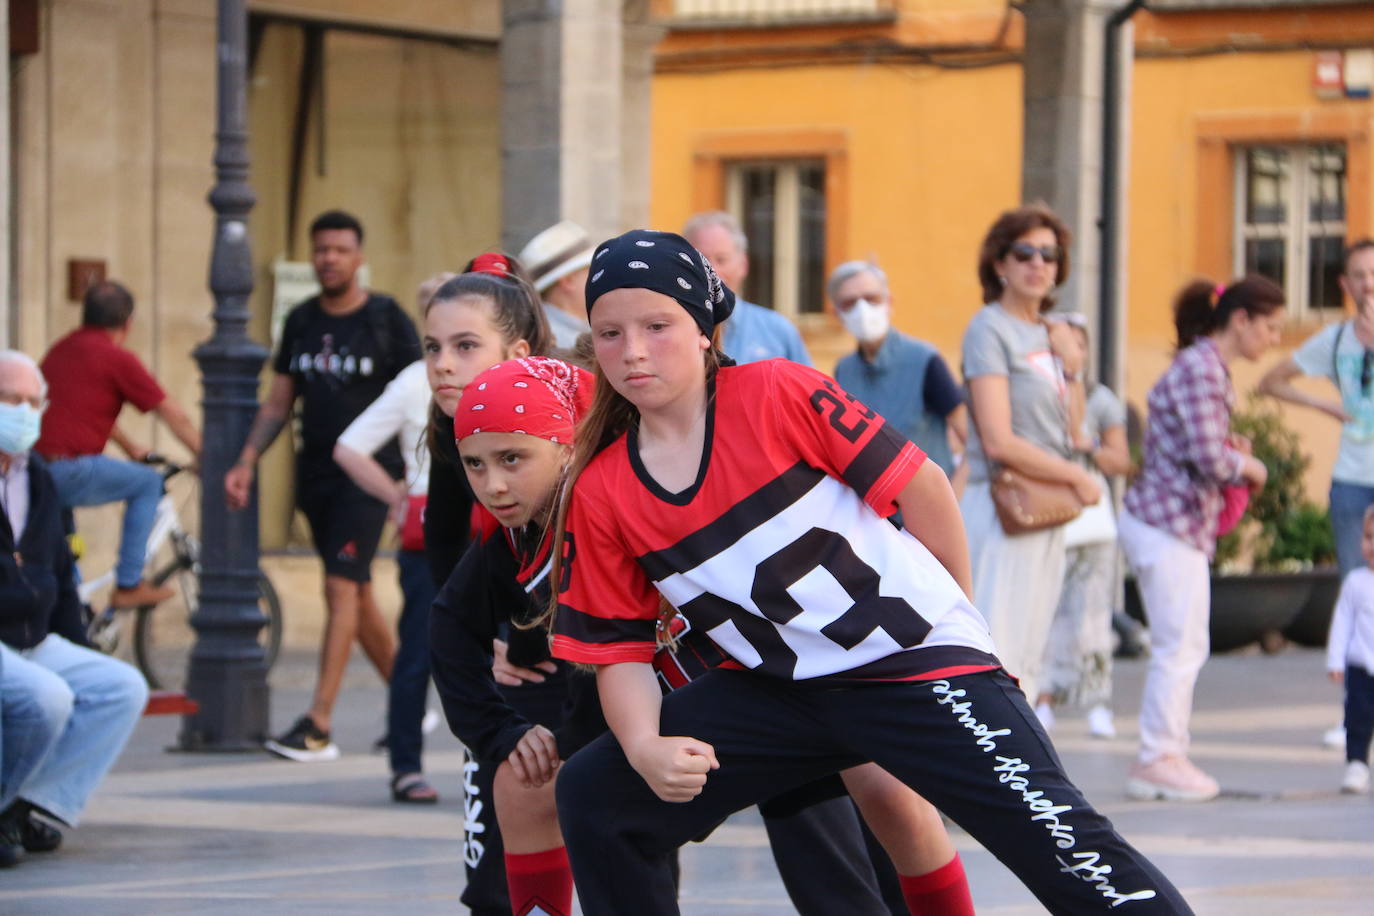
345,524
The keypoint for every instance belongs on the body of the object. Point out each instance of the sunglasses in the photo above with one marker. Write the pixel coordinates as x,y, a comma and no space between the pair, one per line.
1024,251
1366,371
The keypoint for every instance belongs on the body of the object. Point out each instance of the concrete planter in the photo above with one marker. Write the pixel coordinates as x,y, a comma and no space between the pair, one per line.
1310,626
1245,609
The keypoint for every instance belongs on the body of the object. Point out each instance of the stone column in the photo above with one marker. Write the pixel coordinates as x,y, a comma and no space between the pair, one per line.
1062,156
9,314
641,37
561,76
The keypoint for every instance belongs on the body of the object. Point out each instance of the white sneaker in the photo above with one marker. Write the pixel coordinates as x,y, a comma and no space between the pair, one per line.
1171,778
1356,781
1100,724
1334,737
1045,713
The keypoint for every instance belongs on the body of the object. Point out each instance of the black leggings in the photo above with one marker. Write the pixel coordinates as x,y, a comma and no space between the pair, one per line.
970,745
815,833
1359,712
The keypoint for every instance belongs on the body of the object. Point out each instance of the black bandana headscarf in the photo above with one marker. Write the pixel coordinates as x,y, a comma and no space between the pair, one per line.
665,263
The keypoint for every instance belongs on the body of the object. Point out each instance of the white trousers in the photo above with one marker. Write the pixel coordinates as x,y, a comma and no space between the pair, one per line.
1016,585
1176,589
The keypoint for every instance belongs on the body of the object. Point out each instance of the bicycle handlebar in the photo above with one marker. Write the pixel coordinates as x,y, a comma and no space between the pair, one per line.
169,467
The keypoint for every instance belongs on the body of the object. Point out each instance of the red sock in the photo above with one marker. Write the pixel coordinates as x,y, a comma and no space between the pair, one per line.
540,883
943,892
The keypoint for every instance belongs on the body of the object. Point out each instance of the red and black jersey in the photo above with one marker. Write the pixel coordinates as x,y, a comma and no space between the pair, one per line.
779,551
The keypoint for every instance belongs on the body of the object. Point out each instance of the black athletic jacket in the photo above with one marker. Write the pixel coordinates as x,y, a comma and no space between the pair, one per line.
37,587
448,512
480,602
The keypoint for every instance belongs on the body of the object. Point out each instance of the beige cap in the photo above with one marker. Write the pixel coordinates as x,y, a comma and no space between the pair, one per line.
556,252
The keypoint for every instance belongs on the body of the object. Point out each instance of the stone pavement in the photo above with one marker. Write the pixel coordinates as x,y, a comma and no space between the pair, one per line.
207,834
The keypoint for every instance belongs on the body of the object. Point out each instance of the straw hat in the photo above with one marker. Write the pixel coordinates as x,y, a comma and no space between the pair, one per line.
556,252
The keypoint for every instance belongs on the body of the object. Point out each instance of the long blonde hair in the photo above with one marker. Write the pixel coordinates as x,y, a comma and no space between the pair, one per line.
610,417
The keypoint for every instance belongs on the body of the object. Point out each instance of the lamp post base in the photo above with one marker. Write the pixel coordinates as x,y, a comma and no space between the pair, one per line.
233,708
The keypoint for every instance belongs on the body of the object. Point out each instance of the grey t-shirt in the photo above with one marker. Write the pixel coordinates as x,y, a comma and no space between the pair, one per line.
996,343
1319,356
1104,410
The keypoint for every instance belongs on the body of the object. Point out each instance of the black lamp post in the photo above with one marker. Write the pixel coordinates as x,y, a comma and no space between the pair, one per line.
228,677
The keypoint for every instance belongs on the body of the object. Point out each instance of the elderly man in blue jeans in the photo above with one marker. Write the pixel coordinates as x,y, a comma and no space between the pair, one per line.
66,711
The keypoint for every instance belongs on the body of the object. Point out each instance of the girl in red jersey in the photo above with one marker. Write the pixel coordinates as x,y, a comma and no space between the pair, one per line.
753,499
514,428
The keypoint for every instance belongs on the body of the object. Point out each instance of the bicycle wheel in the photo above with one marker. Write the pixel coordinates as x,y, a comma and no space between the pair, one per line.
163,635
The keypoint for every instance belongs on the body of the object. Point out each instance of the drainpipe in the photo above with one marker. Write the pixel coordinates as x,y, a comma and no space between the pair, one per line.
1108,329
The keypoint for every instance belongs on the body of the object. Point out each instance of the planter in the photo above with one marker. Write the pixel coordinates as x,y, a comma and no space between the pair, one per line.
1310,627
1245,609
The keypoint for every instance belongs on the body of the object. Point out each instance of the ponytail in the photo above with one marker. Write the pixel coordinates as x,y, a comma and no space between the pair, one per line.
1203,308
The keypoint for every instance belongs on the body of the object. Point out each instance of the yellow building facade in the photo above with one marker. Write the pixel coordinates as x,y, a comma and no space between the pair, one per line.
913,110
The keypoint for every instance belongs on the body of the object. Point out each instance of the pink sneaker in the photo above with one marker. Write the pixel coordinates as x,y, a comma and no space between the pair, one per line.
1171,778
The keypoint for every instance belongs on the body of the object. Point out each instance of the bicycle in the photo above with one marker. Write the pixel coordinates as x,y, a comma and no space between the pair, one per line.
163,638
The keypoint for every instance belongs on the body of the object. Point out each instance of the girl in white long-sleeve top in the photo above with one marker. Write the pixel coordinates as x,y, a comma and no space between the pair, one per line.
1350,659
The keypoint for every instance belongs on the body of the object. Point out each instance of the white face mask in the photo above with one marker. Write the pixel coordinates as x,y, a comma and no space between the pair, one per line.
19,427
867,321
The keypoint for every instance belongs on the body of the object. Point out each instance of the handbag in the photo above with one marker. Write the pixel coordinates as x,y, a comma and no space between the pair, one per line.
1096,524
1025,504
1235,499
413,530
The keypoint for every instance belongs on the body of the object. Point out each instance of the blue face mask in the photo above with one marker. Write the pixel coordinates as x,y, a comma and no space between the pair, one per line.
19,425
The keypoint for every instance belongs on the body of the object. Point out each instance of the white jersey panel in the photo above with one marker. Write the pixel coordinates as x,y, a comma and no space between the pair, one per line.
801,602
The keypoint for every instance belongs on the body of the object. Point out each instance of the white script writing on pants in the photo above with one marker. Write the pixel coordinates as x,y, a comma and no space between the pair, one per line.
1010,772
472,815
1085,865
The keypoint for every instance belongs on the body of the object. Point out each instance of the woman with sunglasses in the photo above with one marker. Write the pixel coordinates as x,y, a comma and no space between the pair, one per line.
1020,405
1170,519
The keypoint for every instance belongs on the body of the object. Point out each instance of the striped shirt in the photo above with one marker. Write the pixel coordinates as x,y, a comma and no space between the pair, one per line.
1188,456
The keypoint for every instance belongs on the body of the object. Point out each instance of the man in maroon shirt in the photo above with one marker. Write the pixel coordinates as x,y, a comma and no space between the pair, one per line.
91,376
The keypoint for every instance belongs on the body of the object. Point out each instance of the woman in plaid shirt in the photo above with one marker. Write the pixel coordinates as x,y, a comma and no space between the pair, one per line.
1169,523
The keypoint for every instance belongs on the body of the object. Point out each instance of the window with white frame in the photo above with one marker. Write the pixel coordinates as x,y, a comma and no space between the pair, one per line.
1290,219
780,204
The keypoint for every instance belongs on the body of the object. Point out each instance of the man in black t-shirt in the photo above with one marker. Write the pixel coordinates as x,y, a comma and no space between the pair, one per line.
337,353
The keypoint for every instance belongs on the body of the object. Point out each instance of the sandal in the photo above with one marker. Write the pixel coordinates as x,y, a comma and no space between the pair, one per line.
411,789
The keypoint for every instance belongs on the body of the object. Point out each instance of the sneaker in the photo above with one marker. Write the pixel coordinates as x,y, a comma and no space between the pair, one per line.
1356,781
1334,737
143,594
38,835
1100,724
304,742
1171,778
1045,713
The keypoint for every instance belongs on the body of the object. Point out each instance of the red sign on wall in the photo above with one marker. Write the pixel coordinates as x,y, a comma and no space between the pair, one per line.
1327,72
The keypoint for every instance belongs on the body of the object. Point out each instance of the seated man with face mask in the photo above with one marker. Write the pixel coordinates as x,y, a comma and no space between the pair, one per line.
65,709
904,379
